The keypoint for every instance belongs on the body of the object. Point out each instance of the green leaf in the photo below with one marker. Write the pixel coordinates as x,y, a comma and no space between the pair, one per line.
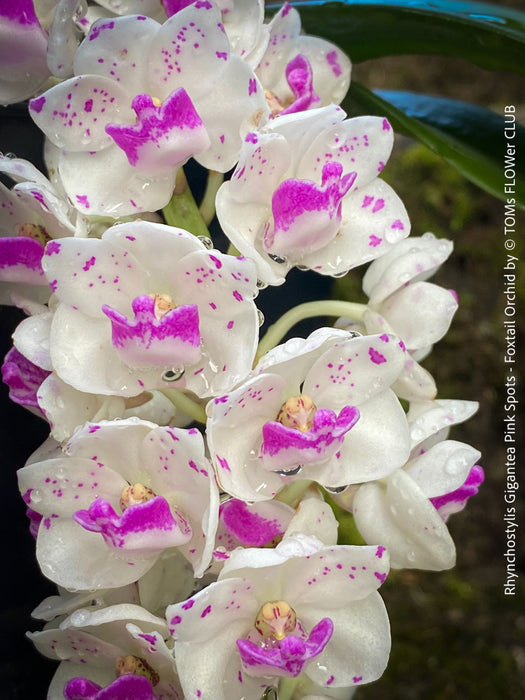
476,141
489,35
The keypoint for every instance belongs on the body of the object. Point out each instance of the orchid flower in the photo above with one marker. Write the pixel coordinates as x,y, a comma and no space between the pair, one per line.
266,523
146,307
310,410
116,652
32,213
275,615
122,493
145,98
305,192
406,512
403,302
299,71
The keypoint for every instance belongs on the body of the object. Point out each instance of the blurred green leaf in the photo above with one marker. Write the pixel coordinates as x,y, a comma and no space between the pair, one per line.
489,35
470,138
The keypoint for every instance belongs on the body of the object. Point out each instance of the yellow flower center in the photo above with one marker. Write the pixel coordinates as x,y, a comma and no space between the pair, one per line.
135,494
297,412
134,665
275,619
35,231
163,304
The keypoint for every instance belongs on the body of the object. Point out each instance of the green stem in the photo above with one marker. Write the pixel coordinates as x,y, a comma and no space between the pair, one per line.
207,206
327,307
182,210
293,492
287,688
232,250
183,402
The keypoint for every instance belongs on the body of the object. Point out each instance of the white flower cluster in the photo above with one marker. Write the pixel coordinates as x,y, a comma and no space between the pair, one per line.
181,503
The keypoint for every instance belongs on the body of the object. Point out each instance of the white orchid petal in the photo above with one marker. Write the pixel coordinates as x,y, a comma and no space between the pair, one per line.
31,338
103,183
84,561
353,371
116,48
413,259
73,114
360,645
443,468
401,518
420,313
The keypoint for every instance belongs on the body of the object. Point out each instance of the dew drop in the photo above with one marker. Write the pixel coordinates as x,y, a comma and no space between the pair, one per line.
36,496
335,489
261,284
79,618
277,258
173,374
206,242
260,316
289,472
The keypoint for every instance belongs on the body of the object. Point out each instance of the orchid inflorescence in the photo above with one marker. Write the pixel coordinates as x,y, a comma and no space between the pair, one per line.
184,502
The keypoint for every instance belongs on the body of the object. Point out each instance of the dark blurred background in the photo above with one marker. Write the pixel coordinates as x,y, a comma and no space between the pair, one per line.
455,634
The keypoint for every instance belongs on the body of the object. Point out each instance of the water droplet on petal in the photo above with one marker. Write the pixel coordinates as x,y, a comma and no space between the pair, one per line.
173,374
79,618
36,496
289,472
335,489
260,316
277,258
261,284
206,242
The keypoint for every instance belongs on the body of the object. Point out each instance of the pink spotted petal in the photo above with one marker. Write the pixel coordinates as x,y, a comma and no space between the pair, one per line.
163,137
116,47
330,66
73,113
171,340
146,527
188,51
290,657
234,103
361,144
285,448
410,260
